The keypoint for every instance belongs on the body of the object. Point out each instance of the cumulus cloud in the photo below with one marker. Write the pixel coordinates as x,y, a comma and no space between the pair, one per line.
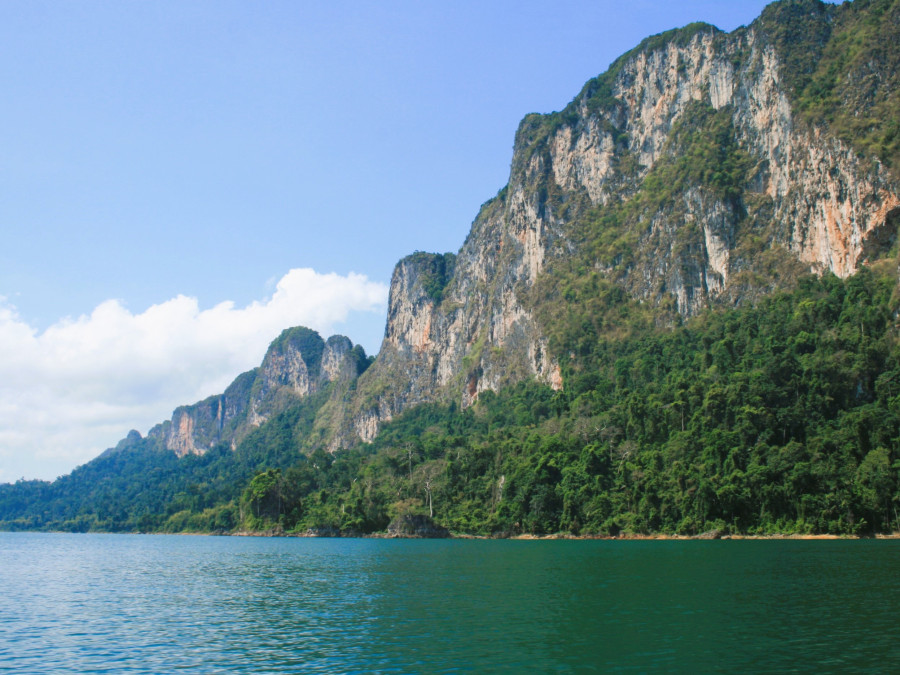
76,388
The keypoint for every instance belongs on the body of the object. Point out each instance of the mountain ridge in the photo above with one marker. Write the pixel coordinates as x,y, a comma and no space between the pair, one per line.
597,177
702,171
297,364
585,160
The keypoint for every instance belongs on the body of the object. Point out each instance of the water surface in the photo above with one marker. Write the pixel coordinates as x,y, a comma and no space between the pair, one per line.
161,604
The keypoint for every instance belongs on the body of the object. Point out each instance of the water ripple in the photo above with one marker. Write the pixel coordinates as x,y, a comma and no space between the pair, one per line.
170,604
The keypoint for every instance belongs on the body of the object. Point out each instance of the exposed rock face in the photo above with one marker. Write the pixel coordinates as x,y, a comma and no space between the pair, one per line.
798,193
683,176
416,527
338,365
291,367
297,364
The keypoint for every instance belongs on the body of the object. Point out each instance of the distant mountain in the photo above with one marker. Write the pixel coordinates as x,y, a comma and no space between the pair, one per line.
586,361
297,364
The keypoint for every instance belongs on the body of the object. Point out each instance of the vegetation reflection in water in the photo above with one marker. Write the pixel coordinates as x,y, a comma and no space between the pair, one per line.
128,603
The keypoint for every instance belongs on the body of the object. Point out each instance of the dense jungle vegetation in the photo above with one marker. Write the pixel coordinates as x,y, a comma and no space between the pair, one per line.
783,417
779,416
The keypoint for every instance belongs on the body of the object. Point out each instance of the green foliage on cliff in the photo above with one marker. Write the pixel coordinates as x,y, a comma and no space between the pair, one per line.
435,271
358,355
597,95
702,150
703,153
143,487
799,30
306,341
779,418
842,68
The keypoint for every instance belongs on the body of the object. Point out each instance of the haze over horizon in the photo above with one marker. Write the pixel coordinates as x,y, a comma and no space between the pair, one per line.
185,180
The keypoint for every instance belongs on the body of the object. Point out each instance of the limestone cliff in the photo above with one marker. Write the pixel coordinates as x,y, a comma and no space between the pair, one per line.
701,169
684,174
297,364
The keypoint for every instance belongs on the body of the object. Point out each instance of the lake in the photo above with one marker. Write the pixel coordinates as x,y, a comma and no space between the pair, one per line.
160,604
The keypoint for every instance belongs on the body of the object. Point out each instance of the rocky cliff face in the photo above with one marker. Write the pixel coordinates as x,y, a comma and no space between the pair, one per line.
698,171
297,364
684,174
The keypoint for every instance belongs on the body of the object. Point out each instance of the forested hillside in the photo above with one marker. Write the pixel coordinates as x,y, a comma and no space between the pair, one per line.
779,418
679,316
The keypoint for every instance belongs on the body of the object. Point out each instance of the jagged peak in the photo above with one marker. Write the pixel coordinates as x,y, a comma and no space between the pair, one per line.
297,364
299,339
679,175
597,92
597,96
341,360
133,438
241,383
788,12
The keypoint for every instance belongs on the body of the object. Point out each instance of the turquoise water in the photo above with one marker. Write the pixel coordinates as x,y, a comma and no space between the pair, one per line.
162,604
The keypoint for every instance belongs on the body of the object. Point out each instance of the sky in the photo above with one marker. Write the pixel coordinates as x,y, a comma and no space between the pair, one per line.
182,180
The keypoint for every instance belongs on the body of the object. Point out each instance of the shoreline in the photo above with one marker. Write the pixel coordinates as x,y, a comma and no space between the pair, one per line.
706,536
564,536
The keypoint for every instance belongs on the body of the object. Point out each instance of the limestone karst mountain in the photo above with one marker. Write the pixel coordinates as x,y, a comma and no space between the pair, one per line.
297,364
690,174
702,171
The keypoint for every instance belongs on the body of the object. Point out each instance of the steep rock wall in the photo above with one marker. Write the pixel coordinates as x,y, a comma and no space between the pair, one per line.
803,194
297,364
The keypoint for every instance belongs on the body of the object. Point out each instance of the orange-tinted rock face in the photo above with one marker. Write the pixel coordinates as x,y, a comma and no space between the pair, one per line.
603,170
182,440
808,195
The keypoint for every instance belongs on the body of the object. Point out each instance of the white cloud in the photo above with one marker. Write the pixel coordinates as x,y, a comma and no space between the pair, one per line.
70,392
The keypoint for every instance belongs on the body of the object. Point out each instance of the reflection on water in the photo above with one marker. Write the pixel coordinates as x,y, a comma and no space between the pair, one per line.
158,604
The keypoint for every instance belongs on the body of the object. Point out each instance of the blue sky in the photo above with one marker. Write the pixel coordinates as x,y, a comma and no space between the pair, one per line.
181,180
